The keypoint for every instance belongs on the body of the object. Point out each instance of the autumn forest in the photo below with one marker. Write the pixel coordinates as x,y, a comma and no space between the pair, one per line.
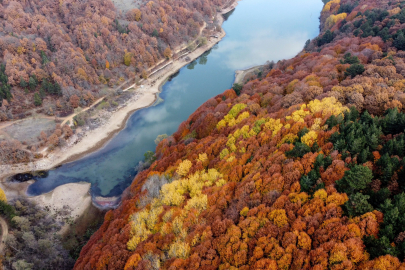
55,56
299,166
60,57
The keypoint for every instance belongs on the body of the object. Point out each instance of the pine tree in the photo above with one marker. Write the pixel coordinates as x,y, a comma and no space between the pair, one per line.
23,83
355,179
42,93
399,42
45,59
37,100
32,83
358,205
354,70
373,141
57,89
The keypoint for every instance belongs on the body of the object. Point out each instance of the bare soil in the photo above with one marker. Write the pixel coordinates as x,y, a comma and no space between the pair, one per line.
28,130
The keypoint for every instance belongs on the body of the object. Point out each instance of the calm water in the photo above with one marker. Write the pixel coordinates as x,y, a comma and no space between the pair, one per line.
257,31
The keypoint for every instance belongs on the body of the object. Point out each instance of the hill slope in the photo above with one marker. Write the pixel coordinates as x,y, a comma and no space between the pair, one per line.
301,169
56,56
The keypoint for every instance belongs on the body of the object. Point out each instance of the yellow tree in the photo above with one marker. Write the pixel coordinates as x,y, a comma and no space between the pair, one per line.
127,58
167,53
138,15
3,196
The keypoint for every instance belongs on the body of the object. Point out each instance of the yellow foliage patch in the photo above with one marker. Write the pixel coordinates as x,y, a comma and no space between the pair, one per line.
310,138
3,196
354,229
299,115
278,217
328,105
337,198
230,117
304,241
179,249
327,6
184,167
244,211
203,158
317,124
321,194
346,90
338,254
332,19
295,197
273,125
142,224
290,138
224,153
145,222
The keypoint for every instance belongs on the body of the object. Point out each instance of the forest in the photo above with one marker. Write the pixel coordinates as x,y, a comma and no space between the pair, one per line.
299,167
57,56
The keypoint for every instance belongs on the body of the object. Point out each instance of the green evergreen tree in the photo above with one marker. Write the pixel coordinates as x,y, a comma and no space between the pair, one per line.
349,59
32,83
357,145
399,41
326,38
355,179
42,93
37,100
299,150
57,89
237,88
373,141
364,155
45,59
379,246
23,83
354,70
358,205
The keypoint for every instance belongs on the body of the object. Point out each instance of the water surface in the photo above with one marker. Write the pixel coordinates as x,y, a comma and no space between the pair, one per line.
257,31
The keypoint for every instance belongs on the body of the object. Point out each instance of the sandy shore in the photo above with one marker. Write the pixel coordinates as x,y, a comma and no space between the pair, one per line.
69,203
241,74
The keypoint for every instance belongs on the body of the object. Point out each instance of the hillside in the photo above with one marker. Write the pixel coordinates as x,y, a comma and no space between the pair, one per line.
302,167
69,65
58,56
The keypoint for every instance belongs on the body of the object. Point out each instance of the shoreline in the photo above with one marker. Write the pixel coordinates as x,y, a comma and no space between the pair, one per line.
96,139
240,74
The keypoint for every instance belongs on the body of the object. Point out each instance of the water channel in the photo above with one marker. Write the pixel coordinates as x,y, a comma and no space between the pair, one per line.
257,31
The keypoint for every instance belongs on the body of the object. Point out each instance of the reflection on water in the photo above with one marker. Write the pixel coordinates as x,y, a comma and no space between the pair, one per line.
227,15
203,60
257,31
192,65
